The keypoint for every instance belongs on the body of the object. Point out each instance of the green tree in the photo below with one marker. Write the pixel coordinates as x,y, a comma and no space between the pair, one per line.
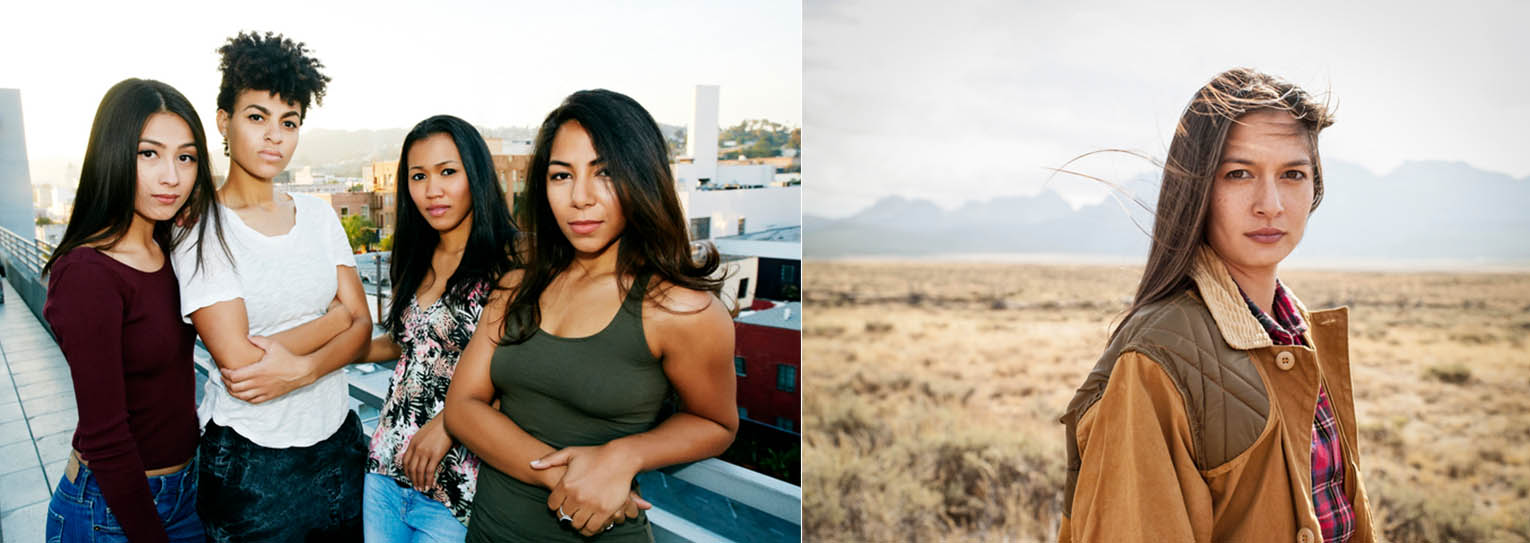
386,244
360,231
43,221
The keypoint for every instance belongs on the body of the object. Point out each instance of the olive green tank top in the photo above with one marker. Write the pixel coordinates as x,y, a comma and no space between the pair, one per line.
570,392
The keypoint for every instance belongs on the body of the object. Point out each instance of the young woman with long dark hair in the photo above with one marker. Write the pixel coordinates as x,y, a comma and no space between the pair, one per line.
1222,409
610,315
283,456
453,242
112,304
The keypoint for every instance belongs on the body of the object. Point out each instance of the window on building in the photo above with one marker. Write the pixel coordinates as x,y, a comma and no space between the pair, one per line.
786,378
738,366
743,287
741,225
785,424
788,273
344,211
701,228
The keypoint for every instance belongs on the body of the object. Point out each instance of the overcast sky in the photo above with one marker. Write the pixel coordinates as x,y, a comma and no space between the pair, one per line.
972,99
395,63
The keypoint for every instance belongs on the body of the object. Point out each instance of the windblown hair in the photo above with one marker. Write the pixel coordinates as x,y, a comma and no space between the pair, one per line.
270,62
108,189
655,240
490,250
1184,201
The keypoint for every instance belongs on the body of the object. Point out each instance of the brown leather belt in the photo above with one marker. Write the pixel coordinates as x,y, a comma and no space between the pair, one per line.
72,469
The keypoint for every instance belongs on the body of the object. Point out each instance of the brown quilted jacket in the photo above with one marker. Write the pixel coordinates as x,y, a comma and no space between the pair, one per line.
1174,435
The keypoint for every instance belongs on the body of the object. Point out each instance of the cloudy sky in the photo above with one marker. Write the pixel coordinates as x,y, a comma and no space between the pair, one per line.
973,100
395,63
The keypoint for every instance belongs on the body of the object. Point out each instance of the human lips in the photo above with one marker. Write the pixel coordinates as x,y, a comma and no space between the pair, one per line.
437,211
166,199
270,154
1266,235
584,227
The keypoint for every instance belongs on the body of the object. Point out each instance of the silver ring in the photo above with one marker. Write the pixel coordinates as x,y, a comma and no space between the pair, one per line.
610,525
562,517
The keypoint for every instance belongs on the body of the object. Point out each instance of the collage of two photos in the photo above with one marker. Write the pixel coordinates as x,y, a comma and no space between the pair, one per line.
830,270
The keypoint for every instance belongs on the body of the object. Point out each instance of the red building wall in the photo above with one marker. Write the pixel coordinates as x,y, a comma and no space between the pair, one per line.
764,348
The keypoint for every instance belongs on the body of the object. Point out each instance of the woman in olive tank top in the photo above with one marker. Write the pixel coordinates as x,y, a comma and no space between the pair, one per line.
611,314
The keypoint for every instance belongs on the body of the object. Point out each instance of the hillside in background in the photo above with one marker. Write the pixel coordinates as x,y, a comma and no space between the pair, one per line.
1419,211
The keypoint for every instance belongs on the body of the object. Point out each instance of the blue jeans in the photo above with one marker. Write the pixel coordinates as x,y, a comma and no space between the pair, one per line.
78,511
390,512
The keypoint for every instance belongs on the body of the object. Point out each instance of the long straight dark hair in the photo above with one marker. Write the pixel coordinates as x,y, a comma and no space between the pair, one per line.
1184,201
655,239
490,250
108,189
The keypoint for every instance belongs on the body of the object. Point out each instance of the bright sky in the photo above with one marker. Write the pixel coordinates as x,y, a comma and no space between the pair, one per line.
395,63
972,99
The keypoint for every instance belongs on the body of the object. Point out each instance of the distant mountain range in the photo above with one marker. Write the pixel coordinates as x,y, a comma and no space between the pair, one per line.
1420,211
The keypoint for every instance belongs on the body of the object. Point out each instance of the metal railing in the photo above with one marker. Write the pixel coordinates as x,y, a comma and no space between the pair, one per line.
737,486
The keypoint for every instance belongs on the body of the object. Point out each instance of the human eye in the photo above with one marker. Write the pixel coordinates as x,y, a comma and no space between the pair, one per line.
1295,175
558,176
187,158
417,176
290,125
255,117
603,172
1239,174
147,153
448,171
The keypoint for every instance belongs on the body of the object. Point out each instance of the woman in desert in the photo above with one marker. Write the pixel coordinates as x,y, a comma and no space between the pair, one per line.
1222,409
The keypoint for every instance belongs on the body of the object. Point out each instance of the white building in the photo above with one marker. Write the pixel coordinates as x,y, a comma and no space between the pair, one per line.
701,141
740,277
716,213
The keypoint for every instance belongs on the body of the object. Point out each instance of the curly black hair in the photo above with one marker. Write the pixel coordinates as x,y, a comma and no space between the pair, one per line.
270,62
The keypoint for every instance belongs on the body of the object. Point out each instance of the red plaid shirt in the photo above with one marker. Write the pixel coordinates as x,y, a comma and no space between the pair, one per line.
1336,516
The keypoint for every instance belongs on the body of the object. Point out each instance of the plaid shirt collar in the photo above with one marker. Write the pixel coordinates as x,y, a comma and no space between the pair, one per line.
1286,327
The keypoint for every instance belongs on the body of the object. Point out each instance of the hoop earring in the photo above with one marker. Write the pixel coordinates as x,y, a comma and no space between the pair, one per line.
225,146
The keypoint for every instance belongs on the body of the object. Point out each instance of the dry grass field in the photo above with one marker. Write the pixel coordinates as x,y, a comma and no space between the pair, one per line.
933,389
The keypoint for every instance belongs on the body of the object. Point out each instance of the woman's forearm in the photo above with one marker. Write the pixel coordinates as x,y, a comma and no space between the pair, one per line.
312,335
684,437
498,441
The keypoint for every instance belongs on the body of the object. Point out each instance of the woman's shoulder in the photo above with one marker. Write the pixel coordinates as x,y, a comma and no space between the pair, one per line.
1182,313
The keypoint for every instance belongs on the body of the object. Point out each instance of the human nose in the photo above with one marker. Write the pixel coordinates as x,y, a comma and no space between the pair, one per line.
170,173
582,193
1267,202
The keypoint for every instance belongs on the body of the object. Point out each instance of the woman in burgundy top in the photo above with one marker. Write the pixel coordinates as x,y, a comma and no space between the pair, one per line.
113,304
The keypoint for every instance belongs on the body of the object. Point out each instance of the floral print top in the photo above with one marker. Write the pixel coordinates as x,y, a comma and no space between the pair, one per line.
432,340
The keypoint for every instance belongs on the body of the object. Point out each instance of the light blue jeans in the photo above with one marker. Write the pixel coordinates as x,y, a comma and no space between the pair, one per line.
78,511
390,512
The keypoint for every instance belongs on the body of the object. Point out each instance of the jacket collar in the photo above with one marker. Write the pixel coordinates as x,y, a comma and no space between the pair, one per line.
1240,329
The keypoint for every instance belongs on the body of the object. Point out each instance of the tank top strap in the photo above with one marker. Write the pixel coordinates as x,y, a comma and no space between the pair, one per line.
636,293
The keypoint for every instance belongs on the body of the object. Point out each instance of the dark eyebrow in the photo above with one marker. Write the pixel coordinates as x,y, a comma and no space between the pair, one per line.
438,164
259,108
191,144
1244,161
151,142
291,114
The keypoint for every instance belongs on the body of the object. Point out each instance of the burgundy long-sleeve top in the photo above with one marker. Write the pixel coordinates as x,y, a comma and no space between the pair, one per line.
129,355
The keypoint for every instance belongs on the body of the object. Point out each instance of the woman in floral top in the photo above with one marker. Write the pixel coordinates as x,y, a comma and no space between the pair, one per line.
453,241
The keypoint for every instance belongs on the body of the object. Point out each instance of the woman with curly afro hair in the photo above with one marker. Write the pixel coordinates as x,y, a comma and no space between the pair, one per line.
282,455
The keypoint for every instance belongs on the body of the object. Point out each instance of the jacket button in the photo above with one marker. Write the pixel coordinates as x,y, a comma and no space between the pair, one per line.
1285,360
1305,535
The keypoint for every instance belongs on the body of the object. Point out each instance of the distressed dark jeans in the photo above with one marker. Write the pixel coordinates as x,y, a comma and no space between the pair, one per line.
252,493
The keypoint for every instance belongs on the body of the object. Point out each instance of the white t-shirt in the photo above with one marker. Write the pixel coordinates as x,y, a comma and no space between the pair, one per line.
285,281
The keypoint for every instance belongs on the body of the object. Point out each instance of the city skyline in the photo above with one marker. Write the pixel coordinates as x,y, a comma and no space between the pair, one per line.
388,73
